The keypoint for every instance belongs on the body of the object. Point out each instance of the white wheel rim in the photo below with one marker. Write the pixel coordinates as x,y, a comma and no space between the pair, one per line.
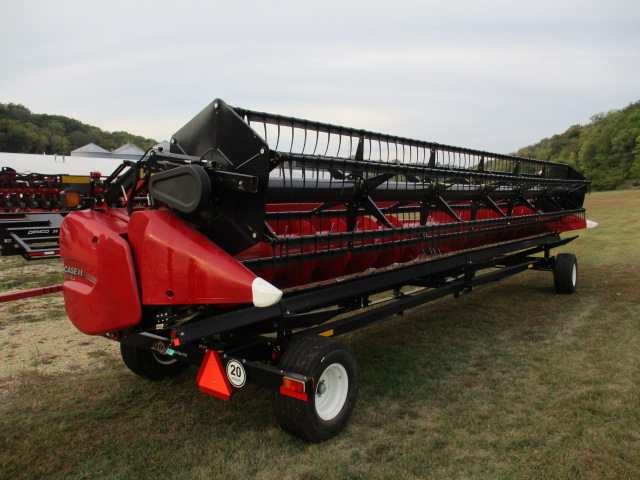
162,361
331,392
574,275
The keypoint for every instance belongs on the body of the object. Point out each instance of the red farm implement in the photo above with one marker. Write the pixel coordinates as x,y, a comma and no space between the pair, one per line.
258,238
32,206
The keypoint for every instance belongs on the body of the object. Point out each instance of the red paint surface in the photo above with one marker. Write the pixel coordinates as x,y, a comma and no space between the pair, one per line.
177,265
334,266
100,288
34,292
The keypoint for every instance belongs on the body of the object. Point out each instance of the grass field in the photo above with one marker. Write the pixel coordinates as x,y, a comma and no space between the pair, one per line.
515,382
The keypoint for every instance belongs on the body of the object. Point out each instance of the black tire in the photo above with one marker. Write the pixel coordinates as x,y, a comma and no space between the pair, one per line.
315,356
565,273
151,365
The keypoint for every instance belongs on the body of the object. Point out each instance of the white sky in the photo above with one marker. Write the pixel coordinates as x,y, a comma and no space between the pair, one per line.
495,75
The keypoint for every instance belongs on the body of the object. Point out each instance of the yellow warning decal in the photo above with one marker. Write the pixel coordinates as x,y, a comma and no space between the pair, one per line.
328,333
75,179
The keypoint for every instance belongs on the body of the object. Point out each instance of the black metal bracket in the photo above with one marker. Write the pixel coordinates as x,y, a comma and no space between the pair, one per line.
360,287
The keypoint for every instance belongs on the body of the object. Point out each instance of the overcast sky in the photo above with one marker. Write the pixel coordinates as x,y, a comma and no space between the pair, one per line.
495,75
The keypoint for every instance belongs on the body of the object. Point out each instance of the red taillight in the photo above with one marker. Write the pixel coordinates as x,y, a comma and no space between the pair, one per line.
293,385
293,388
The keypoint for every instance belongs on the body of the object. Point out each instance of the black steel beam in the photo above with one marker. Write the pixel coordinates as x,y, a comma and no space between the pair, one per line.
362,286
387,312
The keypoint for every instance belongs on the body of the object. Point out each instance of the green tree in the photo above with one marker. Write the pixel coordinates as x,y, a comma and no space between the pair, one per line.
634,170
59,144
22,131
78,139
605,150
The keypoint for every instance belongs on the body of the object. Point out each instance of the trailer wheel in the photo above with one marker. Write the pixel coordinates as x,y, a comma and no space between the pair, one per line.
565,273
334,367
151,365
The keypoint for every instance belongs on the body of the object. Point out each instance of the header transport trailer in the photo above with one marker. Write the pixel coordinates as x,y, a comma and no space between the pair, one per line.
259,238
32,206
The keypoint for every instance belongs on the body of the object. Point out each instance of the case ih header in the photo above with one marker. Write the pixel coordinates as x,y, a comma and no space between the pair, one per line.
259,237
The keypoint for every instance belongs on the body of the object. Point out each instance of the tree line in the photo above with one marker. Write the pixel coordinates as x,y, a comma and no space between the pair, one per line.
22,131
606,151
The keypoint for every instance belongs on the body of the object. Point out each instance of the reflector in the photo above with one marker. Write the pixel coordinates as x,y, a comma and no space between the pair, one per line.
69,198
212,378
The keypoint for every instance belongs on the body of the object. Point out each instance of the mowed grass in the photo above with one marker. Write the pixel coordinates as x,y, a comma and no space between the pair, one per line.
514,382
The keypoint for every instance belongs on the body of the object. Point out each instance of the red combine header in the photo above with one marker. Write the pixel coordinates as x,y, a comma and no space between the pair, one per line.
259,237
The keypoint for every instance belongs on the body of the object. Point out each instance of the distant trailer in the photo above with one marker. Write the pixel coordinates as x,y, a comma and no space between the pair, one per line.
259,237
35,236
36,191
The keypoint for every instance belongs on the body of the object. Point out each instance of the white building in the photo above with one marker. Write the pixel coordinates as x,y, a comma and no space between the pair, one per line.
59,164
128,151
90,150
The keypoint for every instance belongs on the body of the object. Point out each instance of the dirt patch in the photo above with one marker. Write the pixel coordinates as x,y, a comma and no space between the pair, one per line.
35,333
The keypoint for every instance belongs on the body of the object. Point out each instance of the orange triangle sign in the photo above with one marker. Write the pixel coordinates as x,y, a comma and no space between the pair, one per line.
212,378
